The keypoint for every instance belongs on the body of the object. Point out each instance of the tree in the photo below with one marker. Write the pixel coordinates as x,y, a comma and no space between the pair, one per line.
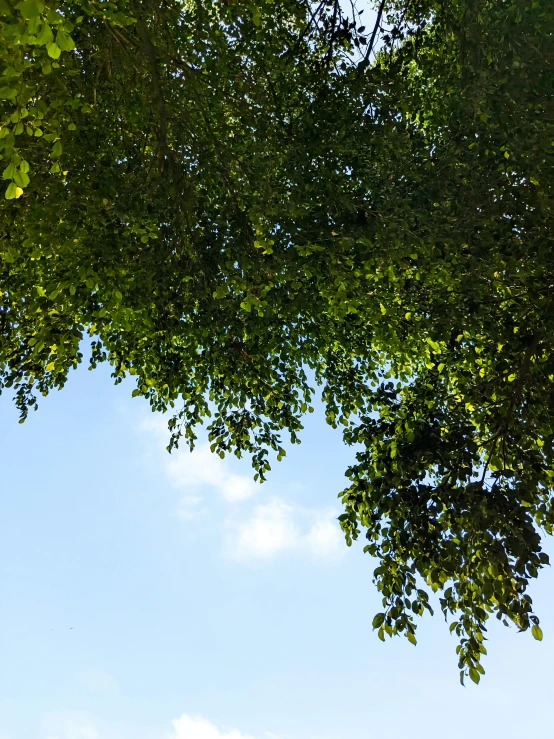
237,201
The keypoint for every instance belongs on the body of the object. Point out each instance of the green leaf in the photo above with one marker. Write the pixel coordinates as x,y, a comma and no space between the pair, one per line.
474,675
21,179
8,93
11,191
378,620
9,172
53,50
537,632
64,41
45,35
54,17
30,8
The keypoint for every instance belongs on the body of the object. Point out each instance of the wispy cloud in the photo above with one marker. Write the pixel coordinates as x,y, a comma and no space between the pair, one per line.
194,471
269,530
69,728
278,527
189,727
255,534
68,725
201,467
325,538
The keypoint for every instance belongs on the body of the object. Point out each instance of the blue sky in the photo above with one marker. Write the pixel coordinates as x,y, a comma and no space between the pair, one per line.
148,596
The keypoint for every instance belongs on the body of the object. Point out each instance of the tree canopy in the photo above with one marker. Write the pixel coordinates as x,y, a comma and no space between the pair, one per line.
241,202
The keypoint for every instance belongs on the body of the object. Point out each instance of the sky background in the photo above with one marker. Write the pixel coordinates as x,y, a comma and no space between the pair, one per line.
149,596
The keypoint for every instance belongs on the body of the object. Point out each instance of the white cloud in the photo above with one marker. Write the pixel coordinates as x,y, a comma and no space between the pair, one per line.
203,468
277,527
198,469
71,725
325,538
269,530
188,727
73,731
76,725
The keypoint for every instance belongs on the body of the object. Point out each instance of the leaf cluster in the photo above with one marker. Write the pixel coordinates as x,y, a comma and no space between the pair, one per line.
237,207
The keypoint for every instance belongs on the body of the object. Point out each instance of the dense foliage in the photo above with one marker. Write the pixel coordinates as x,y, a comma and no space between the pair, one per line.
240,200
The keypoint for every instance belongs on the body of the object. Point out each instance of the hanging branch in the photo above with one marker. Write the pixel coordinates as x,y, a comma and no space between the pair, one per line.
375,28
